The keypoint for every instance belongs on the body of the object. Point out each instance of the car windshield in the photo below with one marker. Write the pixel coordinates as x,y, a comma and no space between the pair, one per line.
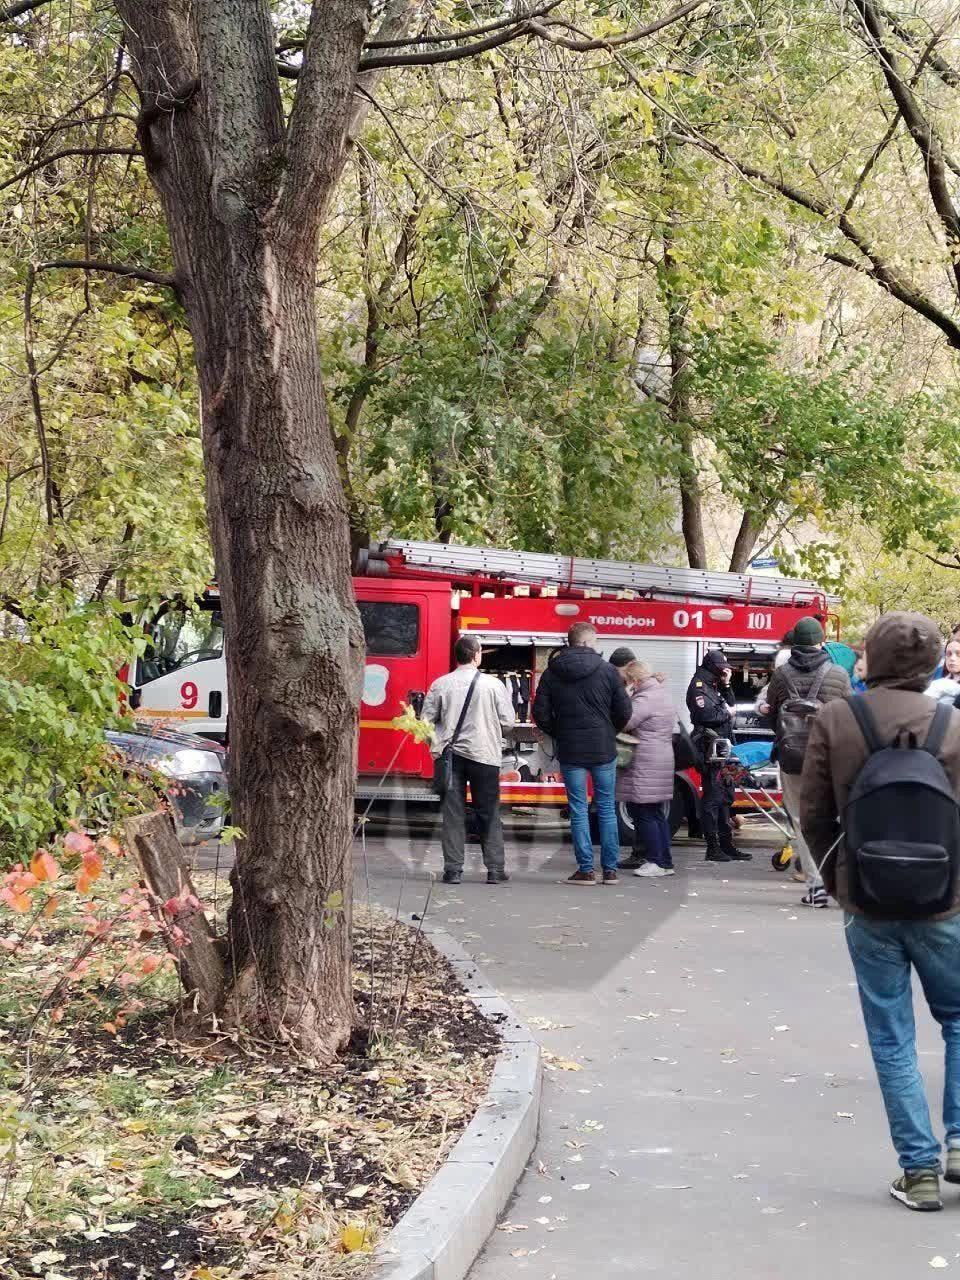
180,637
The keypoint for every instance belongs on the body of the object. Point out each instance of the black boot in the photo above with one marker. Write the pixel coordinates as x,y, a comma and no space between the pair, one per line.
733,853
715,853
633,862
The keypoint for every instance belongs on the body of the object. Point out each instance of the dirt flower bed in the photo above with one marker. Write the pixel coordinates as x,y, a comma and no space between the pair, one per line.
133,1154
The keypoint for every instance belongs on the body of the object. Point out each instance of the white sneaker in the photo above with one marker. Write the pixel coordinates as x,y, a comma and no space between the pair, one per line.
650,871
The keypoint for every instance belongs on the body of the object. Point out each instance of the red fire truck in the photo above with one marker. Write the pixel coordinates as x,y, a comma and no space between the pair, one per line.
415,598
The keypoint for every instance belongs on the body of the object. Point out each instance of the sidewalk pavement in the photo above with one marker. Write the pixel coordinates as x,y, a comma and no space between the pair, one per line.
725,1120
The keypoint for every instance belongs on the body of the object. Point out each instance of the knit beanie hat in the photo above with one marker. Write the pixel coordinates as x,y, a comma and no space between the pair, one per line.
808,633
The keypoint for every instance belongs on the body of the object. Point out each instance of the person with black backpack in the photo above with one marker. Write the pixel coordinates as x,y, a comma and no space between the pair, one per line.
879,812
797,691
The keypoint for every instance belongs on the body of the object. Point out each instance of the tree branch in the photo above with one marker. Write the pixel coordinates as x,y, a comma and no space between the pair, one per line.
445,37
521,31
876,265
11,11
949,75
923,135
60,155
628,37
944,564
49,487
315,145
112,268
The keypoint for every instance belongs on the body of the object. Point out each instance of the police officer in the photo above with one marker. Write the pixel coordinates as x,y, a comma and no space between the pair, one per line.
709,702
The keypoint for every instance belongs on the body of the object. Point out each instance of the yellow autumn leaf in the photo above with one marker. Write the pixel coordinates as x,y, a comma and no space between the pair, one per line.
354,1238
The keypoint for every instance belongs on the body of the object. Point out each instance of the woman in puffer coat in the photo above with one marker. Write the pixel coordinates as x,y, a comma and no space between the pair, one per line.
646,784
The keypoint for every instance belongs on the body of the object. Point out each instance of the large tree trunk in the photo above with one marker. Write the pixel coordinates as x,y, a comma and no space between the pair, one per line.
688,475
746,539
243,194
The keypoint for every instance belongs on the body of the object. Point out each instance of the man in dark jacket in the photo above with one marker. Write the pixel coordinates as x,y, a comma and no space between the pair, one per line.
582,704
902,651
709,702
808,673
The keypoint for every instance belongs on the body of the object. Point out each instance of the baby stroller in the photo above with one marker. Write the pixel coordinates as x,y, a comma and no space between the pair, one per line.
742,763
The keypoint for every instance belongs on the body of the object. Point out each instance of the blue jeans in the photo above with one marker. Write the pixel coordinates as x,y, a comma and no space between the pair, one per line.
883,953
604,785
653,831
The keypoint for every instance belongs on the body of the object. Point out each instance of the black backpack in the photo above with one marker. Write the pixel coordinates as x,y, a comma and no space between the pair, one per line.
793,720
902,823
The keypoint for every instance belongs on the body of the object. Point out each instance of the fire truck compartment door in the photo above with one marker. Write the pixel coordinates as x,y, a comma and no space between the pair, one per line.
677,658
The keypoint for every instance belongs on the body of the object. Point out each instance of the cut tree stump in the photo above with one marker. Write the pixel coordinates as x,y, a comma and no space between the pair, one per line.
189,935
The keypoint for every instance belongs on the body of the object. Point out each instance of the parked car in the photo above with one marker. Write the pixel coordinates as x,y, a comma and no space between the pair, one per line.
197,769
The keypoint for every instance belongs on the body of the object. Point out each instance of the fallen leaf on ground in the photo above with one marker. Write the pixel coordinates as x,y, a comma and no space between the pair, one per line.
581,1186
510,1227
553,1063
354,1238
939,1262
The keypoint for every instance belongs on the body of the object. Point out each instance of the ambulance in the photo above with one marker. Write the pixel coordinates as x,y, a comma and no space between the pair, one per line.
416,598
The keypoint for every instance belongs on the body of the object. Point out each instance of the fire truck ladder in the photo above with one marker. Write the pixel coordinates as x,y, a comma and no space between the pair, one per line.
574,573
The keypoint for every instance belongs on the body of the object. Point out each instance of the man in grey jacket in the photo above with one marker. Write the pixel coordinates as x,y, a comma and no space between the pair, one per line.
809,673
477,757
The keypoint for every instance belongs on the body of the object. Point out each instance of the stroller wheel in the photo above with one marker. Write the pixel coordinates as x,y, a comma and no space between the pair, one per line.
782,858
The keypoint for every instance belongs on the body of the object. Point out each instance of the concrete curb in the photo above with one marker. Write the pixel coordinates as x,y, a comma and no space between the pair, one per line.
443,1231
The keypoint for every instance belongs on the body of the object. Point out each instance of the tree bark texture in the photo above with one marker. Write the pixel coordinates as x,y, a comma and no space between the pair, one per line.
691,504
746,539
198,958
243,192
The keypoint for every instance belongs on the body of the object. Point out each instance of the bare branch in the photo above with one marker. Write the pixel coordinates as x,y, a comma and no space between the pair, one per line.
874,156
50,492
628,37
948,74
444,37
112,268
521,31
11,11
927,142
60,155
944,564
875,266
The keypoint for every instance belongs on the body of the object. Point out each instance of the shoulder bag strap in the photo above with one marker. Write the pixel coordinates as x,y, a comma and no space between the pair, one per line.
867,722
938,728
463,711
818,682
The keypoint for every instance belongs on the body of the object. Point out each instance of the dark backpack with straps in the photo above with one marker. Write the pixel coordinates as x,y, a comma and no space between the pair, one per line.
793,720
902,823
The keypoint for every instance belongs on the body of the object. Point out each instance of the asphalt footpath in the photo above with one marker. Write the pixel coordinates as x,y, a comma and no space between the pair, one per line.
710,1108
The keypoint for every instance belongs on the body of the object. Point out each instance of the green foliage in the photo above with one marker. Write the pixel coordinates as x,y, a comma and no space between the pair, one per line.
826,440
58,691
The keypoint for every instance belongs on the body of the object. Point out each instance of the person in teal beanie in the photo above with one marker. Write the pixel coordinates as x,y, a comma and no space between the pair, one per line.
842,654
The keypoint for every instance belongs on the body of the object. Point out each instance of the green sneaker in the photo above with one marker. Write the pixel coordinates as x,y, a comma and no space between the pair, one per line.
953,1165
918,1189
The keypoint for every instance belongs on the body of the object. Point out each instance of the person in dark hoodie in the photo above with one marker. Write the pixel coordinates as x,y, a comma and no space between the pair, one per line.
582,703
710,701
902,651
809,673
